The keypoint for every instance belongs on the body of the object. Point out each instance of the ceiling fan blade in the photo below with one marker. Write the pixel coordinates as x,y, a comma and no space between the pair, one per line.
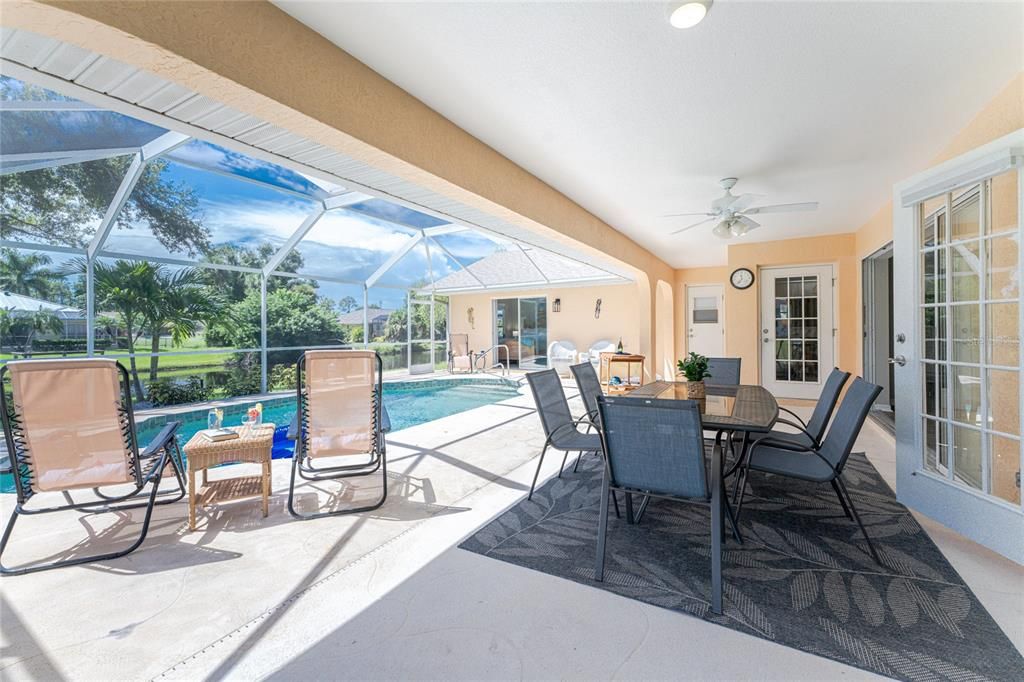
783,208
690,227
744,200
747,222
677,215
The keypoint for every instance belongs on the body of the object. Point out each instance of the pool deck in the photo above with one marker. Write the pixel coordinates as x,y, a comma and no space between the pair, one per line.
387,594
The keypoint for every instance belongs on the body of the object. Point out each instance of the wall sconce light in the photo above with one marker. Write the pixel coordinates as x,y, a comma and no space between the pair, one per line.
557,305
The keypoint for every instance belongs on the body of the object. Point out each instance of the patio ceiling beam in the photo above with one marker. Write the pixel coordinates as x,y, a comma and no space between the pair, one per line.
34,165
153,149
292,241
46,105
533,263
458,262
184,262
395,257
75,155
344,199
438,230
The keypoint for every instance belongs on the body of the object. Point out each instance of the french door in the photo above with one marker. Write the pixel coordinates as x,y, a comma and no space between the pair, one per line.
958,346
797,335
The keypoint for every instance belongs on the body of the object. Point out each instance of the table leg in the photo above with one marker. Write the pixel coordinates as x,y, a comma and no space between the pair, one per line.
266,488
192,498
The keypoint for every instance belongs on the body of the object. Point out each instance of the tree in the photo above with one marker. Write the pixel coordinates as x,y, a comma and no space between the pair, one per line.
180,301
296,316
39,322
124,286
62,205
348,304
236,285
26,274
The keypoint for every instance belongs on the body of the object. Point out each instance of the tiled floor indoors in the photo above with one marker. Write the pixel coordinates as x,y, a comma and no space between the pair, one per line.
387,594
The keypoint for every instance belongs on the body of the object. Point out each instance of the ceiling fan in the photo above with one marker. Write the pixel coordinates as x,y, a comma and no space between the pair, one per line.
732,212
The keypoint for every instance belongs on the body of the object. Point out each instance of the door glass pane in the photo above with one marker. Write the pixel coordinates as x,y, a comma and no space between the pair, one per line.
966,265
966,221
965,333
930,212
967,456
1005,468
782,371
935,447
533,337
935,390
1002,203
1003,268
1003,334
966,394
1004,401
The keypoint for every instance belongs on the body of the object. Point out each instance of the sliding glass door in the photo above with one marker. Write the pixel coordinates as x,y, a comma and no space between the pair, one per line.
533,334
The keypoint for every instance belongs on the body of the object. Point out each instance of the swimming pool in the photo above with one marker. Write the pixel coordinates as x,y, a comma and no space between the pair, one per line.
408,403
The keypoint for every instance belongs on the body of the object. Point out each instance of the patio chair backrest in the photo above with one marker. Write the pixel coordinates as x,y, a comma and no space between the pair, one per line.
654,445
848,422
71,424
589,385
342,401
724,372
459,345
827,401
552,407
598,347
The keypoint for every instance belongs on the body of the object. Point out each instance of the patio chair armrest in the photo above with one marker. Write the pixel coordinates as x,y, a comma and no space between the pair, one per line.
803,424
160,440
802,430
769,441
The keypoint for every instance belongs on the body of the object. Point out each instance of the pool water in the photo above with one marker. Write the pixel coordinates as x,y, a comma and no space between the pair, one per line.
408,403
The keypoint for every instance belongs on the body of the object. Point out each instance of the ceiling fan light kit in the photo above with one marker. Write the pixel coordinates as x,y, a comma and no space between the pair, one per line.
732,212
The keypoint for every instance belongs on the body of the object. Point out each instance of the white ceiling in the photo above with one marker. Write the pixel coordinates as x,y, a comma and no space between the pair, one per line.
828,102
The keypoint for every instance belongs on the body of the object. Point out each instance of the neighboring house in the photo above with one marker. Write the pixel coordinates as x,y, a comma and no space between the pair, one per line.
73,319
377,318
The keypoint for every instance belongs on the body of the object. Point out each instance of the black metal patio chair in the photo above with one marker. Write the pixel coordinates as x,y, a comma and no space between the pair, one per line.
69,427
655,448
822,463
589,386
724,371
561,431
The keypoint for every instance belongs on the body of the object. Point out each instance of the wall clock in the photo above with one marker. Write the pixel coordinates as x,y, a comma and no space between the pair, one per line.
741,278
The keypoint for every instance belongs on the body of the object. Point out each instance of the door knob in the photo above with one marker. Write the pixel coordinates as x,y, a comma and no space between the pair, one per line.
898,360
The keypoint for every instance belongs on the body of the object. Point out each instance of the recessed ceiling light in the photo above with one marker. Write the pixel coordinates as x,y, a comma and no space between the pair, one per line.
688,14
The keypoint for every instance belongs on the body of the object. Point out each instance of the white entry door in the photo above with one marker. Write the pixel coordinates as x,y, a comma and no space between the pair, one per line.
705,322
959,311
797,332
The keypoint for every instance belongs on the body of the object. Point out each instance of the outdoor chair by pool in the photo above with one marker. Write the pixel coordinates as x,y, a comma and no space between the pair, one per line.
460,358
724,372
822,463
598,347
561,431
655,448
589,386
69,426
561,354
340,417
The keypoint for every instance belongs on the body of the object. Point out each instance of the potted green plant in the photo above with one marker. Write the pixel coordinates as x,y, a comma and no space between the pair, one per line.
695,369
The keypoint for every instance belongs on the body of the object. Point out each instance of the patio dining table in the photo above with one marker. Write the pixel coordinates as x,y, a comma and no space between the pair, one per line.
743,409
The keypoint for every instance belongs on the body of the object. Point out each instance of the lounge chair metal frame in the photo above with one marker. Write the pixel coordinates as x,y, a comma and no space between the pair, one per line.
146,467
305,469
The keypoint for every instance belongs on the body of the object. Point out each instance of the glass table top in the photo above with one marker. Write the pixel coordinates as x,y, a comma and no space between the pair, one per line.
737,408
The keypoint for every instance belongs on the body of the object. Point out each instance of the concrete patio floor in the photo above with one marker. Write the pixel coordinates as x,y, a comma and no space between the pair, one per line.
387,594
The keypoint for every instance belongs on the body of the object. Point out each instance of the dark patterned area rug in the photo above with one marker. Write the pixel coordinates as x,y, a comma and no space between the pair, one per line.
802,578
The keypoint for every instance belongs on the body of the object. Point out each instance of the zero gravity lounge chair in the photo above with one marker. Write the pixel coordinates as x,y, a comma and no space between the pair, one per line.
340,417
69,426
460,358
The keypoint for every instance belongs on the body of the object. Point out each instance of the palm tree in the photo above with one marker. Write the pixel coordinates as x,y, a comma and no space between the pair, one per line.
180,304
40,322
25,274
126,286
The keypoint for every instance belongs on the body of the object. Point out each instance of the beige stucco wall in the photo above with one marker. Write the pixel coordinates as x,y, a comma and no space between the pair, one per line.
575,322
252,56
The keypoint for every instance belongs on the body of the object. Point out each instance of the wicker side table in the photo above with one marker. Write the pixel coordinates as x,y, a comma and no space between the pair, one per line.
253,444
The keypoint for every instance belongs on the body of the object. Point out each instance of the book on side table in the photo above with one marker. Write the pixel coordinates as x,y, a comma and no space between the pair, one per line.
217,435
